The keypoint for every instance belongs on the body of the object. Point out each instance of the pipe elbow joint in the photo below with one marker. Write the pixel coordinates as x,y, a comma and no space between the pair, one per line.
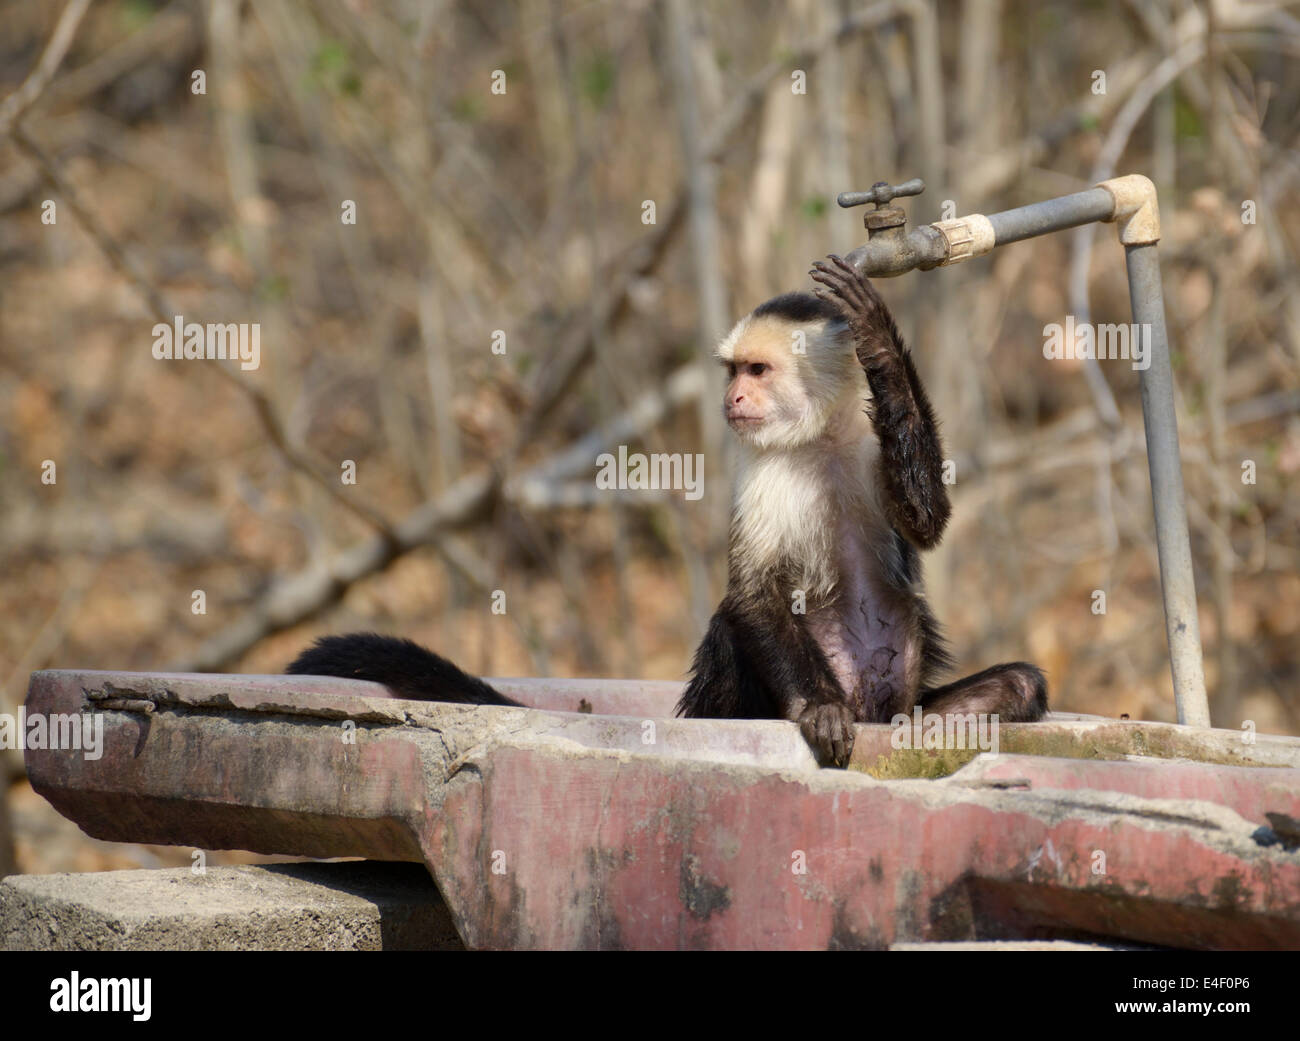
1136,209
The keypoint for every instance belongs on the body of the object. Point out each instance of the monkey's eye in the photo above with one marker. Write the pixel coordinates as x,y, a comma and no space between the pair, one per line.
757,368
731,370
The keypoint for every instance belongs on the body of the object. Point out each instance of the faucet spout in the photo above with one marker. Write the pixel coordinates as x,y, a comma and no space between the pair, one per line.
892,252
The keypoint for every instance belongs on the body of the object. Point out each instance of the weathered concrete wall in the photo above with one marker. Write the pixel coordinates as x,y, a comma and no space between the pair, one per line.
353,906
549,829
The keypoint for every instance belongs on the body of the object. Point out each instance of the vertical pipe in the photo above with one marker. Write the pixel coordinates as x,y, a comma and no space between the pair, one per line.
1165,462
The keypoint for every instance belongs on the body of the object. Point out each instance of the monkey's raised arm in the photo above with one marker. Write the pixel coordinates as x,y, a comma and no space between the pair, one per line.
911,463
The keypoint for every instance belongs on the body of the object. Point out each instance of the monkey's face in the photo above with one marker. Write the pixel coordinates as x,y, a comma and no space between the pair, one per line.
784,379
762,399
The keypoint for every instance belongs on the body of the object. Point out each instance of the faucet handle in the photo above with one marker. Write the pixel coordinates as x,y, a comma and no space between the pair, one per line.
881,192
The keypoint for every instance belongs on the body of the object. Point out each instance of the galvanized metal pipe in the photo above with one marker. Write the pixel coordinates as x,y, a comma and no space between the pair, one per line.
926,246
1165,463
1130,201
1067,211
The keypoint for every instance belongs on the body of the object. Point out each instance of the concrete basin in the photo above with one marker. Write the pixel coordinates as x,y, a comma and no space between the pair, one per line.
593,820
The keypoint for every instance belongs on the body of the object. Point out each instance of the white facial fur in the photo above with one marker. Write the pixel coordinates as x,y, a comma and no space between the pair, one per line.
802,392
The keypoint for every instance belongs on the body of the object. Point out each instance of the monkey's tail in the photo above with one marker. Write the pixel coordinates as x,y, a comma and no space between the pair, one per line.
403,666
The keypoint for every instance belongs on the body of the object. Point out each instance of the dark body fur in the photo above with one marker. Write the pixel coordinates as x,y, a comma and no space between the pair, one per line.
757,656
759,659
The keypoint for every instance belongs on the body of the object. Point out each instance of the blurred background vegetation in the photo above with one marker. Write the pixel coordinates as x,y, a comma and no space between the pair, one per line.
524,212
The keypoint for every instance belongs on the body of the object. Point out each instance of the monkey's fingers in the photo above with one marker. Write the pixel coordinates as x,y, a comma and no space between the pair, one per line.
848,312
828,729
822,294
858,279
842,736
808,727
852,306
826,278
838,284
863,287
847,284
845,266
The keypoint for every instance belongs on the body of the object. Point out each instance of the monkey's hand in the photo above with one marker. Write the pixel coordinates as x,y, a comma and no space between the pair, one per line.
828,728
911,464
861,306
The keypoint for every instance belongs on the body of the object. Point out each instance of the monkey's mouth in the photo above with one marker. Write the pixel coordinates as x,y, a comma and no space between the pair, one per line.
739,419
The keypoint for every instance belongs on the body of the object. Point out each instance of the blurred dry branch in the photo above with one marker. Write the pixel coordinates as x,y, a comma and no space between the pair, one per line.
15,106
12,110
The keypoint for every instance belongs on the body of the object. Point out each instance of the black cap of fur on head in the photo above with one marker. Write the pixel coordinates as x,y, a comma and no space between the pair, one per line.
797,308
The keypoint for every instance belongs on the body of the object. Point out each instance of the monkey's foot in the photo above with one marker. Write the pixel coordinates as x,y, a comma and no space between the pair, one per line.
828,729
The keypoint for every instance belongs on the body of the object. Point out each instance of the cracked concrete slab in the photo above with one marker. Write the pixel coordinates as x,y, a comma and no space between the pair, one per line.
353,906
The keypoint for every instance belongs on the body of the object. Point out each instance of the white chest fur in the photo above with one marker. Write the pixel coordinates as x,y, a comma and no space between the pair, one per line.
817,511
797,505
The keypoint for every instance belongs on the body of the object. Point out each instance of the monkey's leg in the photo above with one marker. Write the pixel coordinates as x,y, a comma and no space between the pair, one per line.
760,663
911,455
722,686
788,663
1016,692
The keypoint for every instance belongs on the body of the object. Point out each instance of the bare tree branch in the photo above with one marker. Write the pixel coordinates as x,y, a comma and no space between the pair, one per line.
16,104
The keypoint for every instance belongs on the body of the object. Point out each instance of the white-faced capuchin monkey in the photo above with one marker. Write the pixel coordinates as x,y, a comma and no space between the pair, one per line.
824,621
